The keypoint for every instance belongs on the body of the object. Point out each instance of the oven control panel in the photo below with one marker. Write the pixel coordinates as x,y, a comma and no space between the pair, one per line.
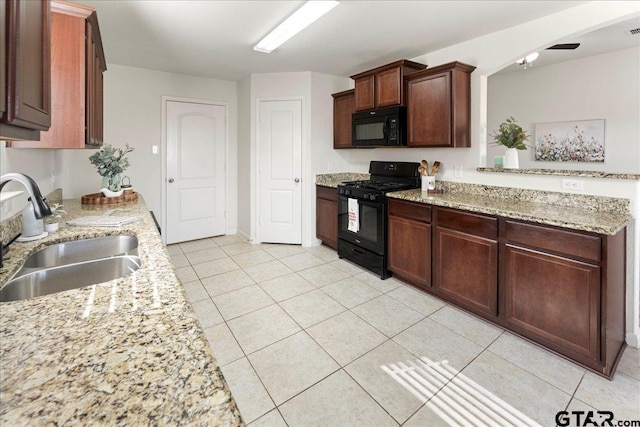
358,193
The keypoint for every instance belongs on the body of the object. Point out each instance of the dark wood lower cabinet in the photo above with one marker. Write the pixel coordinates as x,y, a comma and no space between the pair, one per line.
327,215
561,288
410,250
465,269
409,237
465,259
553,298
565,290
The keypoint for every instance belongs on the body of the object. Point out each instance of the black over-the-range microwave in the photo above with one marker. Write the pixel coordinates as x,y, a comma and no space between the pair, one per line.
384,127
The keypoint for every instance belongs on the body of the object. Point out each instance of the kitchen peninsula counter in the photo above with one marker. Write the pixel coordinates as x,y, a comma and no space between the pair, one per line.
607,222
126,352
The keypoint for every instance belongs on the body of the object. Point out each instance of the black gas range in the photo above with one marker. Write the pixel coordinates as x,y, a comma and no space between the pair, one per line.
362,213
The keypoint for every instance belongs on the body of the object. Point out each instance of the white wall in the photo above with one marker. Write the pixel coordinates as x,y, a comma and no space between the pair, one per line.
133,115
314,89
320,160
597,87
37,163
244,157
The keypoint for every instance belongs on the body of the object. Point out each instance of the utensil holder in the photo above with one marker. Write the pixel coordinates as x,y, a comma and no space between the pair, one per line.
428,182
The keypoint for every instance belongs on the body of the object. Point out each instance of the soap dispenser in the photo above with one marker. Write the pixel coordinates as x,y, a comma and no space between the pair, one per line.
30,225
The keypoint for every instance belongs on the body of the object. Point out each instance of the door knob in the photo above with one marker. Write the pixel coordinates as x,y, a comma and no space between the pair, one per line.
297,180
171,180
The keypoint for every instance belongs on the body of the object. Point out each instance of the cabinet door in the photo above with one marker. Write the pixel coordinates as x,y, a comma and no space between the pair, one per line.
327,222
68,84
466,269
429,111
552,300
409,250
93,99
327,215
364,93
28,62
344,105
388,87
3,60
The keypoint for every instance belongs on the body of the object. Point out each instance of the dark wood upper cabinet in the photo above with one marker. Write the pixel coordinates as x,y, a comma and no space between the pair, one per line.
383,86
439,106
344,104
25,108
327,215
364,89
3,59
77,64
94,87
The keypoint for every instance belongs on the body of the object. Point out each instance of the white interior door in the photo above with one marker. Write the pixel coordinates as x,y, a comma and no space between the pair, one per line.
196,139
280,169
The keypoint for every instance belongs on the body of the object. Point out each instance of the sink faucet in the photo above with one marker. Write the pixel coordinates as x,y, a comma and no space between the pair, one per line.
40,206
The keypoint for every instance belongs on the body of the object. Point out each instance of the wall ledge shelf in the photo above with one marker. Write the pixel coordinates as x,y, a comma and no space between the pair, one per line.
560,172
9,195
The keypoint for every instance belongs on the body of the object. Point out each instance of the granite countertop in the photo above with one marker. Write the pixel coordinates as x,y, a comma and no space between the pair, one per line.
125,352
333,179
602,222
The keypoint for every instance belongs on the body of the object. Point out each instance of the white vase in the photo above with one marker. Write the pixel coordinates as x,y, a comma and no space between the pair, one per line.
51,228
108,193
511,159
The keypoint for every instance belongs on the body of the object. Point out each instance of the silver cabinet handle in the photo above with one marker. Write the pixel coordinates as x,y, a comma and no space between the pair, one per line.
297,180
171,180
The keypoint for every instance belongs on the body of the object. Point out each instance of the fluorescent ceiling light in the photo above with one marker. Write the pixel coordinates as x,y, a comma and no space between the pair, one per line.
295,23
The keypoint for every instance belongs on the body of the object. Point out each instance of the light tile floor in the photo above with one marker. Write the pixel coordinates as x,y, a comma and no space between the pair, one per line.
304,338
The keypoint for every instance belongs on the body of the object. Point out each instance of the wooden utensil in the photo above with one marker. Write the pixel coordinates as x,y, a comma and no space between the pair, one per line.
435,168
425,167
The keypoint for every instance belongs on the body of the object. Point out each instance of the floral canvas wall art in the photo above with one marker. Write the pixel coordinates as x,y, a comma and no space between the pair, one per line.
577,141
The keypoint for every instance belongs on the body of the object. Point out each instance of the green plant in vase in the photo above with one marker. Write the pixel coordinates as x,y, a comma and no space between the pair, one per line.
111,163
511,136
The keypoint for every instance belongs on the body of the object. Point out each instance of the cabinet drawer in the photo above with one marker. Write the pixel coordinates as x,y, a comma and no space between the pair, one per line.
555,240
327,193
415,211
476,224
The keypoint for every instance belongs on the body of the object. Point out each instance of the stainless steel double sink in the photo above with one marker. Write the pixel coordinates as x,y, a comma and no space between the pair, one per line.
71,265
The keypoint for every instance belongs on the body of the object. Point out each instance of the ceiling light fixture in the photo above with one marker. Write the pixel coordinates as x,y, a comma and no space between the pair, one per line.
527,60
295,23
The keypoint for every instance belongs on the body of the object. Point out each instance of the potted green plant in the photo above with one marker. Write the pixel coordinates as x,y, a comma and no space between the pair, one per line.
51,221
111,162
511,136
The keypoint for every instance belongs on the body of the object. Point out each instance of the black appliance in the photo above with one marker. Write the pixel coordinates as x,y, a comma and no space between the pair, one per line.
365,243
381,127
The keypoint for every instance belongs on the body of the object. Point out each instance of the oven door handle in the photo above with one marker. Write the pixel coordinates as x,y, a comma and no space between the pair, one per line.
361,201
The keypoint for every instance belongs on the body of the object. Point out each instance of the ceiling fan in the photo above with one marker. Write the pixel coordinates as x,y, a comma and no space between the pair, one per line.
527,60
564,46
